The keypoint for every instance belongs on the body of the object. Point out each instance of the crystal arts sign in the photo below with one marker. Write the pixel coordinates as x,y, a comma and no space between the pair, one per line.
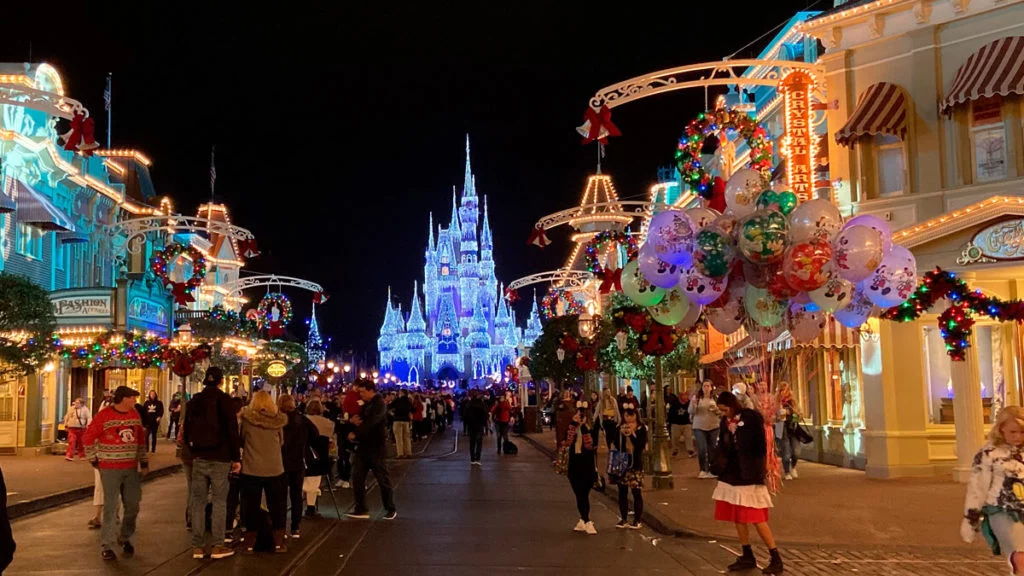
799,140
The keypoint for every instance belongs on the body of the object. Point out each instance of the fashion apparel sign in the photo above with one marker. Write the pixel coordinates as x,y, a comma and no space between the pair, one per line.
81,306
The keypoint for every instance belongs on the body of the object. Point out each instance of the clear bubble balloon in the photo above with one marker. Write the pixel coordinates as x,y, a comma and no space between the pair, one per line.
876,224
805,265
763,308
701,289
729,317
713,252
672,308
834,295
702,217
816,218
895,279
742,190
637,288
671,235
692,315
763,236
858,312
655,270
805,325
857,252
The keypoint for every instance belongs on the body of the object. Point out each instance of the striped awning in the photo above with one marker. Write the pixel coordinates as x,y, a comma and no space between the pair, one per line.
834,335
881,109
996,68
35,209
728,354
7,203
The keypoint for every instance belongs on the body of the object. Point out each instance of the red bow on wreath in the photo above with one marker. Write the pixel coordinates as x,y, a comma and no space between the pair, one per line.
82,135
247,248
586,360
320,297
637,322
612,281
200,353
570,344
275,330
511,295
538,238
659,340
182,293
717,199
597,125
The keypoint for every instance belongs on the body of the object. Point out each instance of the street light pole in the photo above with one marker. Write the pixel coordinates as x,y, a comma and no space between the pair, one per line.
661,477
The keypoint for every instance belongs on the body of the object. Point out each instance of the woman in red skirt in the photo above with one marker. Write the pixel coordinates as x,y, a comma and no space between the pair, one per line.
741,496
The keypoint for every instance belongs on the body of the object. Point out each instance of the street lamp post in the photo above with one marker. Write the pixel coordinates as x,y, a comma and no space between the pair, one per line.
587,327
661,477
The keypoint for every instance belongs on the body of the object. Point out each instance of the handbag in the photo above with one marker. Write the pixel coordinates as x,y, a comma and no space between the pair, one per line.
619,461
561,461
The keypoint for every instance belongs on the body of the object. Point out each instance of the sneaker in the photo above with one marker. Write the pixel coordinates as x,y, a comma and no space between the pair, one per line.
702,475
108,555
93,524
218,552
228,539
788,477
589,528
581,526
129,550
635,526
295,534
391,515
69,459
342,484
794,474
622,524
358,515
198,553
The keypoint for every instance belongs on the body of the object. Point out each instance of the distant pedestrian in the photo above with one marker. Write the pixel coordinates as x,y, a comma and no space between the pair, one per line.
299,435
401,409
153,411
370,436
75,422
607,416
634,442
211,434
115,443
475,419
174,416
680,427
582,472
418,417
741,496
706,419
502,413
786,427
262,435
318,463
994,503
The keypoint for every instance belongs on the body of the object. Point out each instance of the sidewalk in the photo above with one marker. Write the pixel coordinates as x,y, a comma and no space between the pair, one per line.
854,508
36,483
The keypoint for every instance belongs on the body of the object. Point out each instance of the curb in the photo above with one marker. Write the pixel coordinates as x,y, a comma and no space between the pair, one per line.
44,503
657,521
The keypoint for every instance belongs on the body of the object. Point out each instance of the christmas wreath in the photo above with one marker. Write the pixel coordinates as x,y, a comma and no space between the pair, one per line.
707,123
161,261
655,339
593,249
554,297
265,316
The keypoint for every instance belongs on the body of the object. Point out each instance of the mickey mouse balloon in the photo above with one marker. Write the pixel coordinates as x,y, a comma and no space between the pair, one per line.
657,271
672,308
742,190
671,235
701,289
836,294
816,218
637,288
857,252
894,280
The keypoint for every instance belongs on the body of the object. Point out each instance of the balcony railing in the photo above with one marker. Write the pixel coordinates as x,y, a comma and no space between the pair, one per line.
185,316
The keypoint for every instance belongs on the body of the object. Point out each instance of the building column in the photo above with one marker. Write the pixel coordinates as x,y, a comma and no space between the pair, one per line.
967,409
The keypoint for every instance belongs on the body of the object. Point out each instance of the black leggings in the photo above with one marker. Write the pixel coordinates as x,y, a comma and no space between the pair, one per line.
638,503
295,495
611,433
151,434
582,493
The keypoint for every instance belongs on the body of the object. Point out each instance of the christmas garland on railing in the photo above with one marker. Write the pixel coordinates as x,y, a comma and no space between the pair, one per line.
956,322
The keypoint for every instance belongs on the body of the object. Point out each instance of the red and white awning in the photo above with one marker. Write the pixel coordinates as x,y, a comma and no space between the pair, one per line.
996,68
881,109
834,335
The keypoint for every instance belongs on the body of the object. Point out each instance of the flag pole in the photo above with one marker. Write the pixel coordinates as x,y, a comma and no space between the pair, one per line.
213,172
106,104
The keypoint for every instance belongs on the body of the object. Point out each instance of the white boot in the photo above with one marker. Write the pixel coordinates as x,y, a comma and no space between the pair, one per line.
589,527
793,473
580,526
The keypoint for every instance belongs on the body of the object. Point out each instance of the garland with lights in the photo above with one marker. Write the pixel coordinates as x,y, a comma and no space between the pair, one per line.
554,297
597,245
162,259
710,122
957,321
120,349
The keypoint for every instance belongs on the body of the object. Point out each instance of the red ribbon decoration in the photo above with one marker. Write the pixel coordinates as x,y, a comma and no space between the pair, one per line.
717,201
659,340
82,135
538,238
587,360
570,344
511,295
636,322
276,329
320,297
200,353
182,293
612,281
183,365
599,118
248,248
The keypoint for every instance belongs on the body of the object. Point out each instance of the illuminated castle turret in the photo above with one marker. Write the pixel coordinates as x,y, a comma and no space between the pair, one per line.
464,328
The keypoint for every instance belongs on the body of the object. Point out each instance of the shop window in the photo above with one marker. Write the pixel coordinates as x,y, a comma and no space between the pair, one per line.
30,241
58,254
988,139
890,165
842,384
938,377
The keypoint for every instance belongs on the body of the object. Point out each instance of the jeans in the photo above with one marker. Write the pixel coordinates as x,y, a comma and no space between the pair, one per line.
187,467
403,438
706,441
172,424
362,464
502,433
476,444
295,483
611,433
788,446
638,503
75,442
151,434
253,488
209,476
124,485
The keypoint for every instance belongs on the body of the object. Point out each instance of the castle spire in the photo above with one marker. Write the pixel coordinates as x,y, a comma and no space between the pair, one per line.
468,185
486,242
454,227
430,239
416,322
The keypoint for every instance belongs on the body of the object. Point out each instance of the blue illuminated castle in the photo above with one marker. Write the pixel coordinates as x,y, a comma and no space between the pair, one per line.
462,328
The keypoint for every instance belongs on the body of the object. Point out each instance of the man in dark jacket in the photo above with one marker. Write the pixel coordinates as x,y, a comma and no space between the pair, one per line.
401,410
371,438
475,416
211,434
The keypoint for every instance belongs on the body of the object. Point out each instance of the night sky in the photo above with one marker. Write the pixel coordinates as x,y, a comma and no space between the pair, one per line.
340,125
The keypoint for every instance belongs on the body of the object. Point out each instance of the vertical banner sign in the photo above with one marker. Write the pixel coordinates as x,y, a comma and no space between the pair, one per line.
799,139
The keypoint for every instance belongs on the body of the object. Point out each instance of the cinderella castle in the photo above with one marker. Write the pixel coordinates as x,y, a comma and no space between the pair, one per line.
463,328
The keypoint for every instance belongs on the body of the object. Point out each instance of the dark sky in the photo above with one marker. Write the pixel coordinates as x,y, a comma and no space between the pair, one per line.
340,125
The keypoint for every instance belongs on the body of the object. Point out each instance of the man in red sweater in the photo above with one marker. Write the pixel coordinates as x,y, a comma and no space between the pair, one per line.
115,443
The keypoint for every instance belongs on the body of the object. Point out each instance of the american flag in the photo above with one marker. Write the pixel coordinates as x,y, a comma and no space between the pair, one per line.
213,170
106,96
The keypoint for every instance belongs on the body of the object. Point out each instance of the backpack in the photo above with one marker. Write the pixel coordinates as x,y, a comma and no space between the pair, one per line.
203,428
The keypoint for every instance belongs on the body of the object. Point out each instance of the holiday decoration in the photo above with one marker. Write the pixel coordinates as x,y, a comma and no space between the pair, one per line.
857,252
511,296
672,308
816,218
713,252
700,289
247,248
688,153
783,201
638,288
763,236
671,235
655,270
162,261
82,135
597,246
654,339
742,191
275,312
538,238
320,297
560,302
597,125
117,349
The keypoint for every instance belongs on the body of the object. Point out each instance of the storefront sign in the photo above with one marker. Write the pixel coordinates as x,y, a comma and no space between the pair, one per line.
276,369
82,306
799,143
1001,241
148,312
